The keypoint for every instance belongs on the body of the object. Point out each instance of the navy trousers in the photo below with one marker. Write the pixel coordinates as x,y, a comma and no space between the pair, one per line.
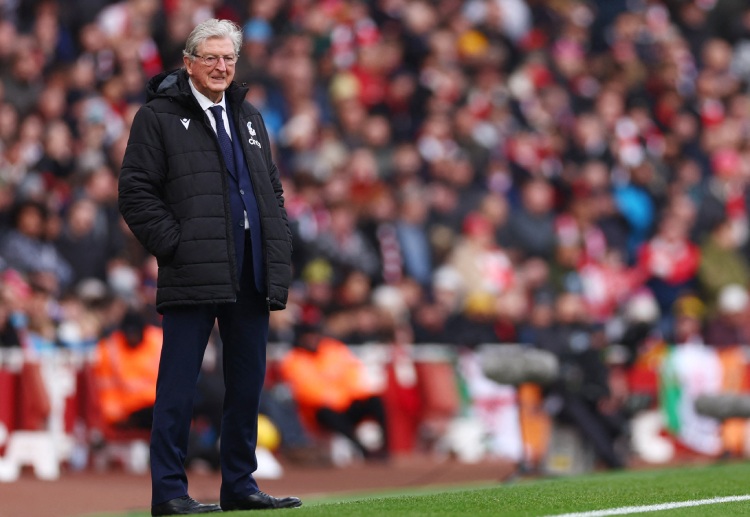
243,327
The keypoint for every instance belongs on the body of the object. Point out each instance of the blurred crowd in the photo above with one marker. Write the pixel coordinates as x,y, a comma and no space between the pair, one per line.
571,174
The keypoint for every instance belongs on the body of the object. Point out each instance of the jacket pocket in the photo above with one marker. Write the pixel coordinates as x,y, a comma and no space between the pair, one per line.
168,257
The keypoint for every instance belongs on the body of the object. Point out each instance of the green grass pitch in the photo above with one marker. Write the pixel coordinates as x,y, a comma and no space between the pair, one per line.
607,493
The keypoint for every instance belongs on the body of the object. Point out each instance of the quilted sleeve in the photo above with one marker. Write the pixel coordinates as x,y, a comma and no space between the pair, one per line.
141,184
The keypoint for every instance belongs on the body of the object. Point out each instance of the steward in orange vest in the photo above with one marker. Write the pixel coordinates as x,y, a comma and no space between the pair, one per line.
330,386
125,371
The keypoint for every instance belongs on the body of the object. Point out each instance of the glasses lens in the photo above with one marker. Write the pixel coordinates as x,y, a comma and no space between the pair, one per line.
212,60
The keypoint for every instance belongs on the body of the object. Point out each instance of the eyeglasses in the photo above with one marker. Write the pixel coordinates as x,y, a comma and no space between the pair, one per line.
214,60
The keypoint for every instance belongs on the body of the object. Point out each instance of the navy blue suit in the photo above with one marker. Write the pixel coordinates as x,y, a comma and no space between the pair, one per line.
243,327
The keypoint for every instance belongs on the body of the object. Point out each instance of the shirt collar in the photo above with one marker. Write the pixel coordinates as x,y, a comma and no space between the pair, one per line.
204,101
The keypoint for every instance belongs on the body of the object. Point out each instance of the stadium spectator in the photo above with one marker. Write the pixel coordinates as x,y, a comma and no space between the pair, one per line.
726,326
724,196
669,262
82,244
722,263
532,225
23,80
412,234
689,318
27,249
344,245
482,265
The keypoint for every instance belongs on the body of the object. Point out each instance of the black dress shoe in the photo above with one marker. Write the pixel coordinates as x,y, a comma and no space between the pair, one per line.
260,501
184,505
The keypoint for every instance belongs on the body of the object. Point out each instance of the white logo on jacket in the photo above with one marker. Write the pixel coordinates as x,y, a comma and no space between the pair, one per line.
252,132
185,122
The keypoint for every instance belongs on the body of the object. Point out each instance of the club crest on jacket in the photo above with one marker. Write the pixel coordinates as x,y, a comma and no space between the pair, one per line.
252,132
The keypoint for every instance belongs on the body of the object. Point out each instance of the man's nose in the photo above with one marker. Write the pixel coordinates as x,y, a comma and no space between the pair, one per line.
221,64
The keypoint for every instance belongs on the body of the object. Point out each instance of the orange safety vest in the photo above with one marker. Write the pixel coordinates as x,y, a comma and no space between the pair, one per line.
125,376
332,377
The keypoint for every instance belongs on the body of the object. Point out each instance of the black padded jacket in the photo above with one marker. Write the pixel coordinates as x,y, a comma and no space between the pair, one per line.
174,196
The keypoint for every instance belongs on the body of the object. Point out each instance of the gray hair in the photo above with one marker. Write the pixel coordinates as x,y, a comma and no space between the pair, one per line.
212,28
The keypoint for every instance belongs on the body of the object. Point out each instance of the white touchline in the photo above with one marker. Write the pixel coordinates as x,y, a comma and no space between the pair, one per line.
626,510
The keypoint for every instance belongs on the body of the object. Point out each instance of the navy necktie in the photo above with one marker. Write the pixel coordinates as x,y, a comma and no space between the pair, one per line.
224,142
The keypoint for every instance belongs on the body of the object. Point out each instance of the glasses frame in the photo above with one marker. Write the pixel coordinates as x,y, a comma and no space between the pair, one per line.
233,57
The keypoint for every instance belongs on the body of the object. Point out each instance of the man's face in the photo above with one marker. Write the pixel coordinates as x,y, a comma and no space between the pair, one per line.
211,81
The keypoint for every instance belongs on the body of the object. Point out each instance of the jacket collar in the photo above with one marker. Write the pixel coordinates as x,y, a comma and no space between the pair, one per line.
174,84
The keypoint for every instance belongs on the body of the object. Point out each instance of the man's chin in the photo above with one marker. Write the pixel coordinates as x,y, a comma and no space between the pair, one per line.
219,90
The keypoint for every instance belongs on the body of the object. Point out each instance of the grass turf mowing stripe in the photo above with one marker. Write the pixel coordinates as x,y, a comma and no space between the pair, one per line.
626,510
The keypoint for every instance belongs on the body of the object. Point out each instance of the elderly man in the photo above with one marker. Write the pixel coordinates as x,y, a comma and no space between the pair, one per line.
200,191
